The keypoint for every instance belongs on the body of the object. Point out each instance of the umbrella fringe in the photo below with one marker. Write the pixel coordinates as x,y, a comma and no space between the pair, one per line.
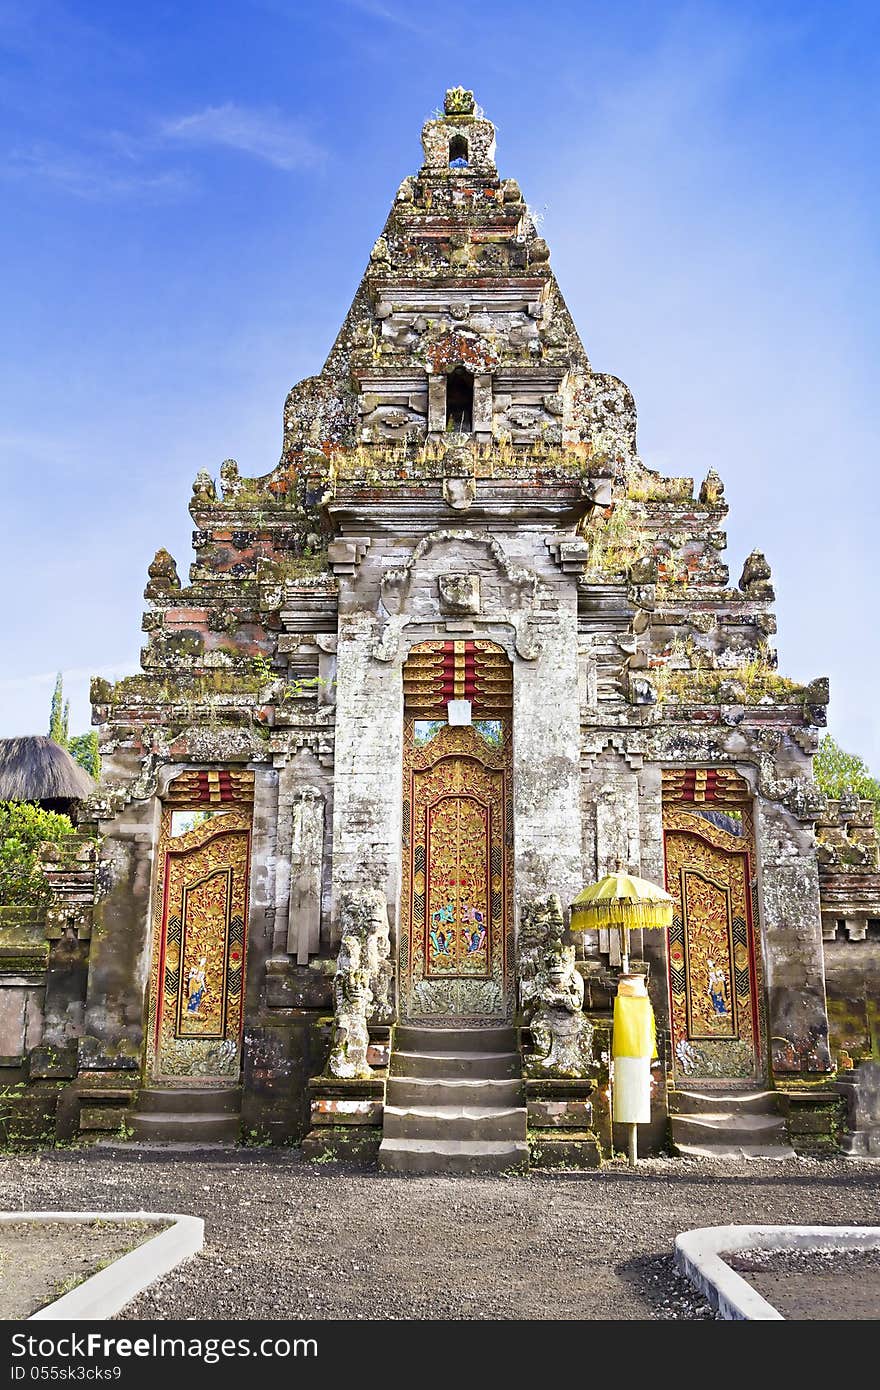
651,916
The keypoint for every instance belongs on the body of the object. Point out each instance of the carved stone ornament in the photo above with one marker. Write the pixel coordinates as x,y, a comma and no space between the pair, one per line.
561,1032
352,1000
459,594
459,493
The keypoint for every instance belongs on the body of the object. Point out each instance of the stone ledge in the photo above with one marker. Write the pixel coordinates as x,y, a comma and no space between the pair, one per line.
699,1257
105,1293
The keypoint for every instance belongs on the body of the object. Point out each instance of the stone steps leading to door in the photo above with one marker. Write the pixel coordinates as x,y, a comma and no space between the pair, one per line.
453,1090
187,1114
451,1156
456,1064
454,1102
727,1123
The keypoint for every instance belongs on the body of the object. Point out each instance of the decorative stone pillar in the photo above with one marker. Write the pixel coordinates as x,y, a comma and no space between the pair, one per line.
306,861
436,403
546,754
792,943
482,417
368,763
119,953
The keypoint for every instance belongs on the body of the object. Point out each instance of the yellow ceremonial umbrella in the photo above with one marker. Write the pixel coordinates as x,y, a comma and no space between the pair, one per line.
623,901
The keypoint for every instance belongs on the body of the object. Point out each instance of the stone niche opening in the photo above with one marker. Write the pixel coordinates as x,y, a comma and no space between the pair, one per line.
460,401
458,152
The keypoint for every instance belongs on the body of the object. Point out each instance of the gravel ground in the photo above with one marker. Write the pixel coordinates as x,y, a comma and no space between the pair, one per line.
41,1262
822,1285
286,1238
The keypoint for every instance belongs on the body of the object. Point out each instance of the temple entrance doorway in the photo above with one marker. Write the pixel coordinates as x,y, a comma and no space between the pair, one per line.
457,888
197,972
715,992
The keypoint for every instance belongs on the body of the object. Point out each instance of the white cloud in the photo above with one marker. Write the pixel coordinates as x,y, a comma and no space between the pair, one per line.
93,178
264,134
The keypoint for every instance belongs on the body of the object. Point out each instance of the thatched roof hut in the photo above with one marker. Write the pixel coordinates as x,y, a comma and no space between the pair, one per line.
37,768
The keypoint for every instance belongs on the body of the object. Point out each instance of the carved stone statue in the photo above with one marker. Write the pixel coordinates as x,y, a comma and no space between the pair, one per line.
352,1001
541,925
562,1035
364,916
378,963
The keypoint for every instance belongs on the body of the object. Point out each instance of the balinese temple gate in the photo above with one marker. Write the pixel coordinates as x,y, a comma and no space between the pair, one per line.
458,655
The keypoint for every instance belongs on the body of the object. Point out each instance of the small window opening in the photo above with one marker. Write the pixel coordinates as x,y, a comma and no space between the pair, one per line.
460,401
458,152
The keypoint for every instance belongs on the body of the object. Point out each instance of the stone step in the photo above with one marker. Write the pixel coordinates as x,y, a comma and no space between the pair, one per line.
445,1090
409,1037
189,1100
454,1064
723,1128
452,1156
776,1152
185,1129
687,1102
485,1123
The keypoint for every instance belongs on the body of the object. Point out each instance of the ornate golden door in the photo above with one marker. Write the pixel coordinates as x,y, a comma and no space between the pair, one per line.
456,900
713,968
197,975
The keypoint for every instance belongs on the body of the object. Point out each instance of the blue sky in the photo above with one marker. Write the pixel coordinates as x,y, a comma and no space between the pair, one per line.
190,193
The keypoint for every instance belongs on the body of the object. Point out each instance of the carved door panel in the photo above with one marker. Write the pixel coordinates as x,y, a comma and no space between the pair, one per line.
456,917
197,976
713,968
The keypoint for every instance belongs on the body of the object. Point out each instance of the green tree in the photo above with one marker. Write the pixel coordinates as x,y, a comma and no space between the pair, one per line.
23,828
83,748
837,771
56,713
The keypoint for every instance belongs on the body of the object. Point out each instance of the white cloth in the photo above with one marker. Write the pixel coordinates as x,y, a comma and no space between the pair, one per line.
631,1091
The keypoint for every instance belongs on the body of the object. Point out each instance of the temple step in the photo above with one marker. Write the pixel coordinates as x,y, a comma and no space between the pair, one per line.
479,1122
777,1152
687,1102
409,1038
189,1100
185,1129
731,1123
444,1090
456,1064
452,1156
454,1102
187,1114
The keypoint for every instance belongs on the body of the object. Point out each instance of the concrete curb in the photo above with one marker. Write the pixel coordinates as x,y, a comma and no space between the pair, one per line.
698,1255
103,1294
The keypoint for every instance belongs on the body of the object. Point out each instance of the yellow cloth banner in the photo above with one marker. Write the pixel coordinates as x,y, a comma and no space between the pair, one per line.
634,1033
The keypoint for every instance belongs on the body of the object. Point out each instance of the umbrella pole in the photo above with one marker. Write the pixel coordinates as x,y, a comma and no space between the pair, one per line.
633,1146
624,950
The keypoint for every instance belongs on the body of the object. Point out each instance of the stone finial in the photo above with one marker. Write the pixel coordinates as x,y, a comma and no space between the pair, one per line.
163,574
755,578
459,102
711,489
203,487
229,479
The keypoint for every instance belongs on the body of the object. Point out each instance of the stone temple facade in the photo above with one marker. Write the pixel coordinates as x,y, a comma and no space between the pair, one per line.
458,655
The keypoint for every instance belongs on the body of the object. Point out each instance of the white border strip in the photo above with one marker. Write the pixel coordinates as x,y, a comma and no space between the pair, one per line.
698,1255
105,1293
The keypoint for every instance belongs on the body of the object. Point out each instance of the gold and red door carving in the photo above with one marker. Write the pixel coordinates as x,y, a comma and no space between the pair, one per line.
456,901
714,986
197,975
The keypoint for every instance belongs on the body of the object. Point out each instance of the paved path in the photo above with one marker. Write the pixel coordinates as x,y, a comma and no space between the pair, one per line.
286,1238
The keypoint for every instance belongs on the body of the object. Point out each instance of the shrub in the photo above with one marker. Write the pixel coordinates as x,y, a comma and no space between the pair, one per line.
23,828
